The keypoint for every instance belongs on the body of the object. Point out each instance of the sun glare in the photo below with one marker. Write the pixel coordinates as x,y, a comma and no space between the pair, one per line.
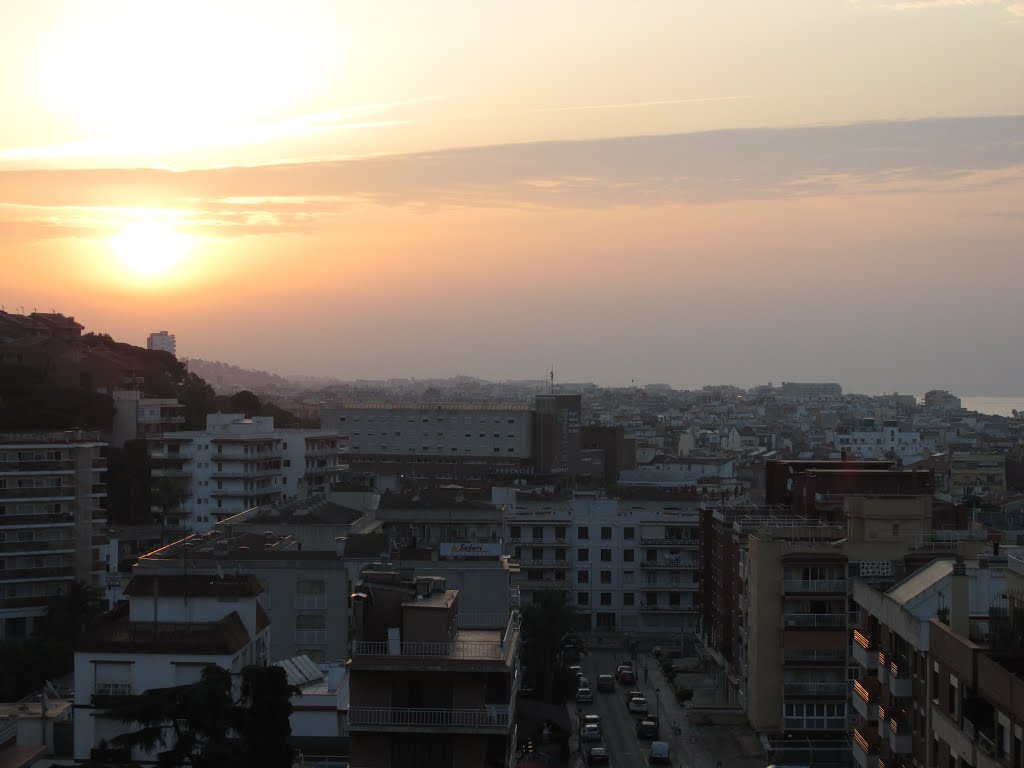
150,248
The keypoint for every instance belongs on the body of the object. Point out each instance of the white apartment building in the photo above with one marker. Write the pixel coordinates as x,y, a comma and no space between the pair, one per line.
628,566
163,341
237,463
870,442
171,629
52,522
138,417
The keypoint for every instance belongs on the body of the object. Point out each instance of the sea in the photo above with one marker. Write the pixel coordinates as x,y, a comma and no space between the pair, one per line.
995,406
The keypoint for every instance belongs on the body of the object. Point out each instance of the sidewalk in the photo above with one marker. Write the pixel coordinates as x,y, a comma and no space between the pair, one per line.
696,746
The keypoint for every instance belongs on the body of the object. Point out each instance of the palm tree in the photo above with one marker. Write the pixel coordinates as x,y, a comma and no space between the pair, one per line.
70,612
549,627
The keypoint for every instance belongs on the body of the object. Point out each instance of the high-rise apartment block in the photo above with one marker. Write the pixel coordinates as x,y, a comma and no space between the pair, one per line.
423,691
461,441
238,463
52,522
163,341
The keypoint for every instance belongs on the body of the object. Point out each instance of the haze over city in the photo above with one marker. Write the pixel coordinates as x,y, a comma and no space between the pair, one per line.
687,193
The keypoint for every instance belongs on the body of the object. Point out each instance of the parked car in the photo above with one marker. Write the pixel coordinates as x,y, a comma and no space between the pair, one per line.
584,696
582,682
605,683
577,670
638,705
647,728
659,754
590,733
597,756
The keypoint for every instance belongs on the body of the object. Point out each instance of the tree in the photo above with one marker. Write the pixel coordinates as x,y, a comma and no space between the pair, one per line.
129,475
70,613
549,627
199,723
245,402
168,494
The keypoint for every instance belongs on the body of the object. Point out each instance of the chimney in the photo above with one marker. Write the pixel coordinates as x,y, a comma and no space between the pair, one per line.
339,545
960,600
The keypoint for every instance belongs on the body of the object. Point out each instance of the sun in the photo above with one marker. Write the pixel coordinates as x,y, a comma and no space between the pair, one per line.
150,248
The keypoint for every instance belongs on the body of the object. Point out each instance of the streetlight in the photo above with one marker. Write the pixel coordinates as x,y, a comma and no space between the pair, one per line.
657,703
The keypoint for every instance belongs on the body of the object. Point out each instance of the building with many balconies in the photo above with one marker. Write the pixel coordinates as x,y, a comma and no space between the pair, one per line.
423,691
168,631
52,522
238,463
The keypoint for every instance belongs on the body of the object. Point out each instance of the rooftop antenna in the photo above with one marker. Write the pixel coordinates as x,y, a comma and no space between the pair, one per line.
552,378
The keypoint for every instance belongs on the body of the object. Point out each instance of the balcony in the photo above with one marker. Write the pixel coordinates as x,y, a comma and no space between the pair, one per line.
865,698
815,620
230,474
661,608
37,547
35,574
23,521
543,584
111,689
680,543
671,564
814,690
47,467
901,685
815,723
311,636
817,586
672,586
495,719
864,651
865,746
901,736
815,656
458,650
55,493
310,602
883,668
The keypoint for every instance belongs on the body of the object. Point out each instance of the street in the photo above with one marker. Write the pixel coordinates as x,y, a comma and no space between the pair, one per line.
694,747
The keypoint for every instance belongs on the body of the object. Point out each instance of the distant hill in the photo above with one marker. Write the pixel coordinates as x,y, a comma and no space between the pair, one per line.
225,378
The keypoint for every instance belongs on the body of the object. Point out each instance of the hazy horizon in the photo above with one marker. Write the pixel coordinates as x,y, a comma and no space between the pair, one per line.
732,192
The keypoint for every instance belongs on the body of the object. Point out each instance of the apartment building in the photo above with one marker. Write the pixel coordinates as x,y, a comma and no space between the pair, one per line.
304,592
137,417
163,341
870,441
893,651
977,475
797,586
423,691
237,463
461,441
52,522
168,631
629,566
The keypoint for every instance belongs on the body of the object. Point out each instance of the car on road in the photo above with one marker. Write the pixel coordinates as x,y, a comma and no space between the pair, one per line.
590,733
582,682
647,728
597,756
591,719
638,705
577,670
631,694
625,675
659,754
584,696
605,683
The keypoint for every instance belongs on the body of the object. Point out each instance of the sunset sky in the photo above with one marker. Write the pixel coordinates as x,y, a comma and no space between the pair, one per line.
678,191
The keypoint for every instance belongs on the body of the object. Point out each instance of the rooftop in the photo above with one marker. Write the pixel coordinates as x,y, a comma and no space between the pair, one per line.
313,511
117,634
384,405
197,585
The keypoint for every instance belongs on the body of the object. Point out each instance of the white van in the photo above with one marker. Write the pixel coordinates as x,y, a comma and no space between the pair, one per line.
659,753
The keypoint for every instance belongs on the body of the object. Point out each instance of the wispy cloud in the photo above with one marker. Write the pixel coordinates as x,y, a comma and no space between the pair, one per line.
929,156
210,137
912,5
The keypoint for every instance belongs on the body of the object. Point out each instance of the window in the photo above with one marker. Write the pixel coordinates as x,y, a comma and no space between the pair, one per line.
627,577
559,531
606,577
514,532
606,555
582,577
606,532
627,555
627,598
560,555
629,533
606,598
537,553
583,532
582,598
583,555
538,532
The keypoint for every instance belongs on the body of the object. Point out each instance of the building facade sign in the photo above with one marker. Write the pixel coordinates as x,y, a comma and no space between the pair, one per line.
476,549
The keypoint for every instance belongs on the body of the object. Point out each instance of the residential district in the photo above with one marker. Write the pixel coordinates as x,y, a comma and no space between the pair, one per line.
459,573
